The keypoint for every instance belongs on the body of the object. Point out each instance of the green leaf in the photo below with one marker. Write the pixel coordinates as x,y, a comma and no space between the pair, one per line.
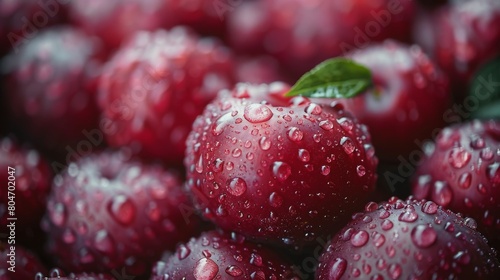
488,111
485,91
333,78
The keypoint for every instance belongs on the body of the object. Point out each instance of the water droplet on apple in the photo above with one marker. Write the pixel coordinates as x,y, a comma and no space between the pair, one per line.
256,113
236,186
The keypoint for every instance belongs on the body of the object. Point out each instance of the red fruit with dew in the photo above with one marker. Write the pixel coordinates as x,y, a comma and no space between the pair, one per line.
412,239
106,212
407,101
51,87
218,255
155,86
276,169
462,173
